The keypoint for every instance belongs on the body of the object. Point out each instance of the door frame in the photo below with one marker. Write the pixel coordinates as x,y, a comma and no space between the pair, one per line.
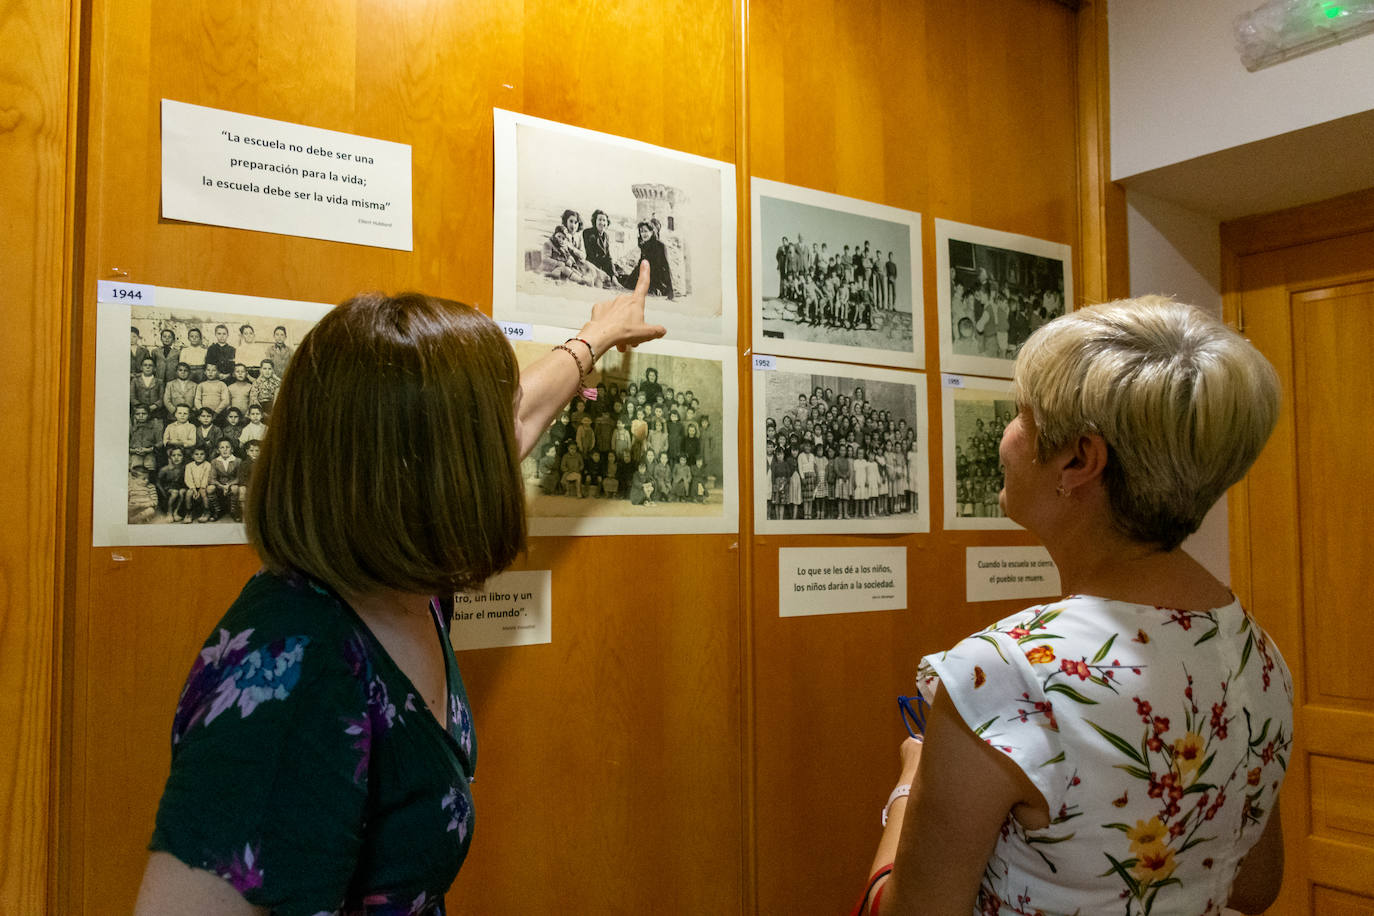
1336,218
1348,214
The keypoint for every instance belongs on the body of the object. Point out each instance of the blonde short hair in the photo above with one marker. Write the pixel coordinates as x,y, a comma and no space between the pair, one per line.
390,459
1184,403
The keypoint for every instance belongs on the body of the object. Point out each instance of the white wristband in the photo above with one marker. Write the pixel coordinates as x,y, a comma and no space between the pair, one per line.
901,791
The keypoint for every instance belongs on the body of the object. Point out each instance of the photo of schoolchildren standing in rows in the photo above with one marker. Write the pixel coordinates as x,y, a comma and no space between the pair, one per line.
649,442
839,449
978,426
834,277
201,390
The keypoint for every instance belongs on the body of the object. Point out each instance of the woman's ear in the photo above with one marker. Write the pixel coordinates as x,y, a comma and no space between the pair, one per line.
1082,462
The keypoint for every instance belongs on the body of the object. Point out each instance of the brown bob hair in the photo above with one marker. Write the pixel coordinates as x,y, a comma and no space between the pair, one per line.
391,459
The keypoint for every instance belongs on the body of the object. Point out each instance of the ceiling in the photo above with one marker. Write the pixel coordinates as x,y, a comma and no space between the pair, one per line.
1288,170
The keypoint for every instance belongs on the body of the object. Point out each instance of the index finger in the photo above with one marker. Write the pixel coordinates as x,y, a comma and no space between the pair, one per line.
642,286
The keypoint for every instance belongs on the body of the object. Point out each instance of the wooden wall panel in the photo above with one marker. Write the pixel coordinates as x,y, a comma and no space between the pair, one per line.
1103,254
678,748
960,111
613,753
36,79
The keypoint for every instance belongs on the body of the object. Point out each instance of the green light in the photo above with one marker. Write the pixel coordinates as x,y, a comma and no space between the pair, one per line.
1334,12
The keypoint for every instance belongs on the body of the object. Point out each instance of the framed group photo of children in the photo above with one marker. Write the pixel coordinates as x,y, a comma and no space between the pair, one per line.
995,289
652,453
835,278
976,411
575,211
840,449
177,434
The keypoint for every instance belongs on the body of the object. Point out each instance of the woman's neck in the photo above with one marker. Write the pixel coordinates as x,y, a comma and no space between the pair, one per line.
1099,560
388,607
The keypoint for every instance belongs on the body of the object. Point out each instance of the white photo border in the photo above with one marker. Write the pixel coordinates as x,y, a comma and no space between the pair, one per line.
509,304
967,389
945,230
727,522
110,466
913,523
915,359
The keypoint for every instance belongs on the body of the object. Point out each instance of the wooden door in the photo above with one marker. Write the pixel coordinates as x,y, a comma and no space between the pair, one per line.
1304,551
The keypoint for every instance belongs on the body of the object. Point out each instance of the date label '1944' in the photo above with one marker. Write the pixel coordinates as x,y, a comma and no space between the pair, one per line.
134,293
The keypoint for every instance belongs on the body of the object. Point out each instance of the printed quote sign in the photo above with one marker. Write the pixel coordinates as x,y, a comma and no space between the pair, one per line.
994,573
511,609
237,170
840,580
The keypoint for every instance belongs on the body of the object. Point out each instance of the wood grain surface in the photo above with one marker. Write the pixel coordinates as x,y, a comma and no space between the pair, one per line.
958,111
36,183
678,748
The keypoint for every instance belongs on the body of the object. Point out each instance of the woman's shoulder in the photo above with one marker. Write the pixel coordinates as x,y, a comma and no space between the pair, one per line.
1079,632
1091,615
1036,631
282,633
276,611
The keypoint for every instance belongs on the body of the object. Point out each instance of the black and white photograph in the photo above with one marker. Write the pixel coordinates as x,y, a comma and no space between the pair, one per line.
577,210
176,438
835,278
840,448
974,419
995,290
652,453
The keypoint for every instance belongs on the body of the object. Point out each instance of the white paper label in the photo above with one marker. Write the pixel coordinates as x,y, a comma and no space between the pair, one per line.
237,170
951,381
511,609
132,293
995,573
765,363
840,580
516,331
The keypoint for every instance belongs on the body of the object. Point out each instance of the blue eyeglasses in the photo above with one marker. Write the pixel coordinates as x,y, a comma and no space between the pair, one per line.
913,711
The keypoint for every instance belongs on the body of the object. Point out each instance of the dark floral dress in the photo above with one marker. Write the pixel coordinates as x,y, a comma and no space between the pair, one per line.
1159,739
306,770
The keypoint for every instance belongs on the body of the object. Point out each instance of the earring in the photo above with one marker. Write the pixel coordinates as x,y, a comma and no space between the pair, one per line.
1061,491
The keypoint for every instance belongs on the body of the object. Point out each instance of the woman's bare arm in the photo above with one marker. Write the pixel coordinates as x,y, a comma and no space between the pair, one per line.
1261,871
171,888
961,794
548,384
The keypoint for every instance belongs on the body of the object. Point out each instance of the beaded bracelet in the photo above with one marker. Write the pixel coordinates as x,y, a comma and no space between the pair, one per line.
590,351
586,392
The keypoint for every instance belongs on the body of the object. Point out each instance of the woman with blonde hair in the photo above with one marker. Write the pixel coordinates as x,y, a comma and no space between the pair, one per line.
1119,750
322,746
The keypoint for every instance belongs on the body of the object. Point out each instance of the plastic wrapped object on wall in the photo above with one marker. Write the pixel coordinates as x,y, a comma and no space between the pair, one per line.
1283,29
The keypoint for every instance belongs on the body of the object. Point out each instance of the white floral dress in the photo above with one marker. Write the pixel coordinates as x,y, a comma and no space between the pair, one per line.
1159,739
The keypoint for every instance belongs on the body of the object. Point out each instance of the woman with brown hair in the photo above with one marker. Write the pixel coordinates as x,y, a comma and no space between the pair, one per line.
322,746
